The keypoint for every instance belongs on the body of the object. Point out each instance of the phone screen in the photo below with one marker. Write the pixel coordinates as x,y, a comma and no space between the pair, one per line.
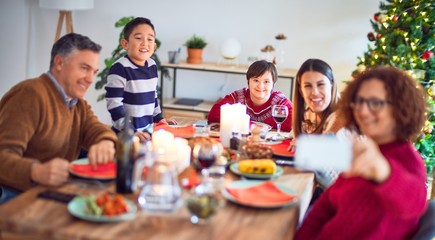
317,152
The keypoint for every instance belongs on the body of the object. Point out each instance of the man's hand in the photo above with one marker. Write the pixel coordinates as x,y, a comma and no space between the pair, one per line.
102,152
51,173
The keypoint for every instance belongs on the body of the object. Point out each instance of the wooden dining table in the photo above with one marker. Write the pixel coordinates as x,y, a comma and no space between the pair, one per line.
30,217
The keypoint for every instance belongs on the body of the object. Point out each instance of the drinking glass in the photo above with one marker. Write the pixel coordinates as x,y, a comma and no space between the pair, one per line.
205,154
279,114
161,192
217,176
202,204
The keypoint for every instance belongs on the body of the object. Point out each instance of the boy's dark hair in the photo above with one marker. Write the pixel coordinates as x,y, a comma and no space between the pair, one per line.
258,68
135,22
70,42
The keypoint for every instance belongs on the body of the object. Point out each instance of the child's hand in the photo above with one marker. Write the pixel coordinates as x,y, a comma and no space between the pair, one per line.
143,136
163,121
168,122
172,122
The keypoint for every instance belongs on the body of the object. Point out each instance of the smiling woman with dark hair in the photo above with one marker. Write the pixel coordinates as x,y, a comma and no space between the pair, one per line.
315,99
314,103
383,194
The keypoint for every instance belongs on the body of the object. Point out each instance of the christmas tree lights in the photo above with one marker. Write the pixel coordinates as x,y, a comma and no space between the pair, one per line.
403,36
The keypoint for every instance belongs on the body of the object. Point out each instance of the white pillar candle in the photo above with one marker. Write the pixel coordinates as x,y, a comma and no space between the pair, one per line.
244,124
240,109
162,139
183,152
226,124
240,118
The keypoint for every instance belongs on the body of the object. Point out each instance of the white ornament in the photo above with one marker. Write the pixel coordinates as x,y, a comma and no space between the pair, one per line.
230,49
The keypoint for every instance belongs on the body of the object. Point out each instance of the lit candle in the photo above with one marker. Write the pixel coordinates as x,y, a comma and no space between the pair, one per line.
163,140
239,109
183,152
226,124
244,120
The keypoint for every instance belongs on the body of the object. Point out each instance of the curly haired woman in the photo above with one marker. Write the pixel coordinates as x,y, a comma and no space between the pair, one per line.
382,195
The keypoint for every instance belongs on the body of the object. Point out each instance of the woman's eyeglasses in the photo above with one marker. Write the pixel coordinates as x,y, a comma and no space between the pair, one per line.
374,104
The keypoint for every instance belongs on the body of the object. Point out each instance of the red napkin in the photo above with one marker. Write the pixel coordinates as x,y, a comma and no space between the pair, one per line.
264,194
101,170
281,149
183,132
192,180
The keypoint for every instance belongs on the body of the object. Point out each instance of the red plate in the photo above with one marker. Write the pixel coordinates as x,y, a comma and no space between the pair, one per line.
183,131
281,149
82,168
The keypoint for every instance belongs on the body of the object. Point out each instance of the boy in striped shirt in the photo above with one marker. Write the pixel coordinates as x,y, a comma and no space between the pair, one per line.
132,81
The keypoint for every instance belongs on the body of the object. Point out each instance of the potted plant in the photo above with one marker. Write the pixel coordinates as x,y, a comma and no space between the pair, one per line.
195,46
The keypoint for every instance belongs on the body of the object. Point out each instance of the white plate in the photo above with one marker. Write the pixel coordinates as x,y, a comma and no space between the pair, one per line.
214,128
265,126
77,208
235,169
84,161
251,183
270,134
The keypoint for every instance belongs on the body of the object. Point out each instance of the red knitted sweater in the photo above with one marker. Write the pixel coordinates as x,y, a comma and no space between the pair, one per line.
261,113
355,208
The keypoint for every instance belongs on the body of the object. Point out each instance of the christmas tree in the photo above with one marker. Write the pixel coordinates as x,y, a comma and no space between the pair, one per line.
403,36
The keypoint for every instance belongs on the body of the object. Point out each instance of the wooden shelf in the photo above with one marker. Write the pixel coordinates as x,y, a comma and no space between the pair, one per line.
168,106
224,68
200,111
202,107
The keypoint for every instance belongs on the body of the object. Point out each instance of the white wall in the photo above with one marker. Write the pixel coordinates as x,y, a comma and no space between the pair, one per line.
333,30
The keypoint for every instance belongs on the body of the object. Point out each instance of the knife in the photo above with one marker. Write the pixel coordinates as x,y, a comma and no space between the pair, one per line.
283,162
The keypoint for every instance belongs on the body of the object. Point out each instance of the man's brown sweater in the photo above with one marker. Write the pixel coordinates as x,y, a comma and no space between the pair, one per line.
37,125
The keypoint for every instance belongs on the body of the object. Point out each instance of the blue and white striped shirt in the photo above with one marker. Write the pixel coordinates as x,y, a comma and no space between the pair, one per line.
132,89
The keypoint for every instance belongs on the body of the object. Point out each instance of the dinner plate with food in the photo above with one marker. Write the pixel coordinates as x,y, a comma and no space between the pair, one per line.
256,168
103,208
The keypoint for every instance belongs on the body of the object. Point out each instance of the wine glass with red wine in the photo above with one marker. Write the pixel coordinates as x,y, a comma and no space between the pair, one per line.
279,114
205,155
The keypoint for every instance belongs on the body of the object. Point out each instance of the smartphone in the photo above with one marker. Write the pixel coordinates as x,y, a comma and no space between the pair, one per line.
200,123
57,196
317,152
